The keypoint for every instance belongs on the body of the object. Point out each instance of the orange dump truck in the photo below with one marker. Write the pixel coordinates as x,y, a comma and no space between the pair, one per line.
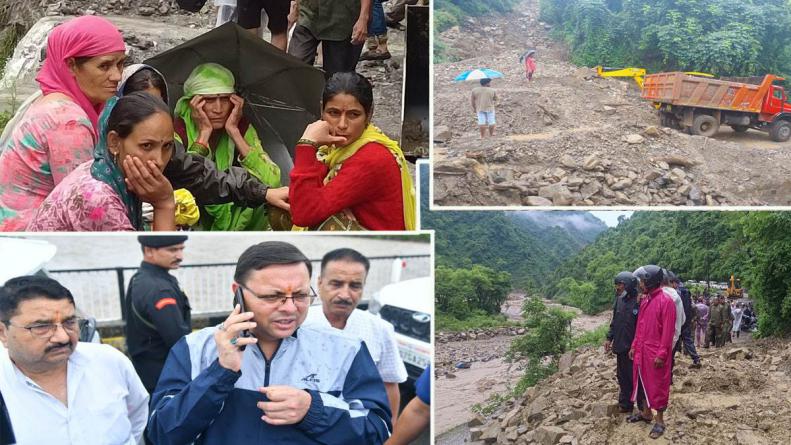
702,104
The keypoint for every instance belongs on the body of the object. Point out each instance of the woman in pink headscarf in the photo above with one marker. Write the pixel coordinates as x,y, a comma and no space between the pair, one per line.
56,129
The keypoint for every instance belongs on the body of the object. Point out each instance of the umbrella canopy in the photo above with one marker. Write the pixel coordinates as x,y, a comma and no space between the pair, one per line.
526,54
282,94
477,74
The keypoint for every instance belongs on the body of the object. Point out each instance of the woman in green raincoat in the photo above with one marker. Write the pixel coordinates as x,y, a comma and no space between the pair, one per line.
209,122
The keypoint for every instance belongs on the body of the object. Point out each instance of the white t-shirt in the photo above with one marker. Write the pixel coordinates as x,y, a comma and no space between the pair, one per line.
379,338
681,317
107,402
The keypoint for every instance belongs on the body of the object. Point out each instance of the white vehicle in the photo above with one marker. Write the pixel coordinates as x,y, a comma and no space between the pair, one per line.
409,306
19,256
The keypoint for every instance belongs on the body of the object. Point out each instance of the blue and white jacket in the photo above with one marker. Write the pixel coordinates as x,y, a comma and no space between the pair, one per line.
198,401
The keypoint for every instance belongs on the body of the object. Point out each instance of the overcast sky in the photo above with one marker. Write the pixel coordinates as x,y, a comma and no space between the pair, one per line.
610,217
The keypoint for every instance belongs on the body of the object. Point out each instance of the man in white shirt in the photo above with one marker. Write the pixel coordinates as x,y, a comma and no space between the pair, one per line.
56,389
341,282
673,295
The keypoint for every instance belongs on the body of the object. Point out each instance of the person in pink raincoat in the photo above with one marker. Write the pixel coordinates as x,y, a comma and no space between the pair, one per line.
652,350
530,66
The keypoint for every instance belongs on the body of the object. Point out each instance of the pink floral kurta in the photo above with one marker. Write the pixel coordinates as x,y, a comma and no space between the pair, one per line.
81,203
50,141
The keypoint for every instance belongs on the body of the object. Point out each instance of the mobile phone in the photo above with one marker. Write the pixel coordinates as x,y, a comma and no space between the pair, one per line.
238,298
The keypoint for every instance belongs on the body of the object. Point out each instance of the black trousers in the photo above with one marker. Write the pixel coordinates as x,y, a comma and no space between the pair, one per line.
624,373
338,56
689,343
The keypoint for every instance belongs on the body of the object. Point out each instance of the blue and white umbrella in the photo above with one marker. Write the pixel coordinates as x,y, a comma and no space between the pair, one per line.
478,74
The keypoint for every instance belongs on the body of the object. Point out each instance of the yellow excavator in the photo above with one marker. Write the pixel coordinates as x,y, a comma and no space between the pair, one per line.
638,74
735,290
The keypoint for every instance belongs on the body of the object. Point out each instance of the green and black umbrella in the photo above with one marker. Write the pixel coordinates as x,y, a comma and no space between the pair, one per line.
282,94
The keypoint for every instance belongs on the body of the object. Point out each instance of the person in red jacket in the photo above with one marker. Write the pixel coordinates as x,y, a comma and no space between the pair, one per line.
530,65
347,174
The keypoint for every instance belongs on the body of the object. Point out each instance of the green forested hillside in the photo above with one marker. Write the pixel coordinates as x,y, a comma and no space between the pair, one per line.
448,13
527,245
755,246
722,37
502,242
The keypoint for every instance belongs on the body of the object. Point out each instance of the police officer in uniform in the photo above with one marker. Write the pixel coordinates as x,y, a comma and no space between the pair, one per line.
621,334
157,310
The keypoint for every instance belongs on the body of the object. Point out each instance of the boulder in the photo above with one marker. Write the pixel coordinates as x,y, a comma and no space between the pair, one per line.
537,201
442,133
634,139
558,193
548,435
602,409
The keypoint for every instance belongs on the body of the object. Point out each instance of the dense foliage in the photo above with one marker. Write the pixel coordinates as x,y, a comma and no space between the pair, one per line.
460,292
722,37
701,246
696,245
769,235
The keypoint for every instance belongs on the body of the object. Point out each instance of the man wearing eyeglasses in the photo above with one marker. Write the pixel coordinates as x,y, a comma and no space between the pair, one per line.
258,377
157,310
341,282
56,389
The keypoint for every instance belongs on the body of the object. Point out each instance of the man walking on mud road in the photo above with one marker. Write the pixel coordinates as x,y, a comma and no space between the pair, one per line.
483,100
621,335
652,350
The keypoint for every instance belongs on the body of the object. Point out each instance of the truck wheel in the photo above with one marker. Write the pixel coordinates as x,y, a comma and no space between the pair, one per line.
740,128
705,125
780,131
665,119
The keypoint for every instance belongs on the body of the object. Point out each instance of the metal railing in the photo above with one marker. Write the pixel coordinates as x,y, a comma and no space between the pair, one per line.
100,292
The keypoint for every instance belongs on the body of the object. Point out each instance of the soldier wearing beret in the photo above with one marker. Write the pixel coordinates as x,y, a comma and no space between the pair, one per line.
157,310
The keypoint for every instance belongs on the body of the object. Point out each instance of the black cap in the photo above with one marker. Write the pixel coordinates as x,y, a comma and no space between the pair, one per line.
158,241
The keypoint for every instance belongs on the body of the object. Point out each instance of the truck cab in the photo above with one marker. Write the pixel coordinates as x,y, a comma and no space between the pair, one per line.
776,102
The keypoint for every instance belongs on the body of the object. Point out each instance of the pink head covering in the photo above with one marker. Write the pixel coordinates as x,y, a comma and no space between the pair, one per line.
85,36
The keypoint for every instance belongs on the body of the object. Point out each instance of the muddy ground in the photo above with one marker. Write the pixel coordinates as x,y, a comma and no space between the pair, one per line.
457,390
570,138
740,395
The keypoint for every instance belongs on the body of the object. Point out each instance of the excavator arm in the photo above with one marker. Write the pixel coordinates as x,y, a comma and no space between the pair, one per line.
638,74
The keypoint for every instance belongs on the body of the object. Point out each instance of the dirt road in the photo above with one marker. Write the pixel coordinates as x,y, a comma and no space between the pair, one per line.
570,138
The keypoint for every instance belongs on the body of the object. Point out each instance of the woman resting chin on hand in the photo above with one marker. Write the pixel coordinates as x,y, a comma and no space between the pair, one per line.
95,196
348,174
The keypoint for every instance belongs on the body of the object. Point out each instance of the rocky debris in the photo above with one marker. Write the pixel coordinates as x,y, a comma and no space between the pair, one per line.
145,8
474,347
733,397
444,337
569,124
442,134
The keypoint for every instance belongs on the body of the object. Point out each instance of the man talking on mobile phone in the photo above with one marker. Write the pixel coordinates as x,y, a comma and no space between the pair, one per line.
291,385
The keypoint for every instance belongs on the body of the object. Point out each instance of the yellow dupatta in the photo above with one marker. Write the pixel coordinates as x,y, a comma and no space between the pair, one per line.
333,157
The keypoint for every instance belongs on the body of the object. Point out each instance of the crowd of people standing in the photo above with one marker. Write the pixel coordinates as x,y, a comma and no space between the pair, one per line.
99,148
653,319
